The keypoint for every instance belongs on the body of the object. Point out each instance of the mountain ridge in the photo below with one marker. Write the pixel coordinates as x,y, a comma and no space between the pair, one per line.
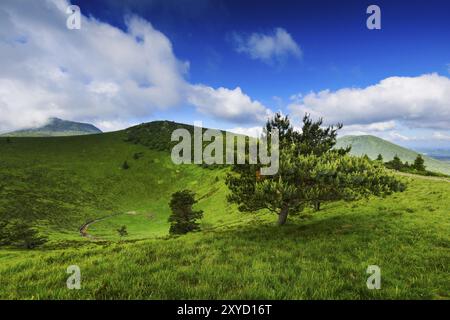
55,128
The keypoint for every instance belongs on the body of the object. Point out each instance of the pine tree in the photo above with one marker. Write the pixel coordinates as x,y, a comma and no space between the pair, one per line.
419,163
183,217
310,172
396,163
380,157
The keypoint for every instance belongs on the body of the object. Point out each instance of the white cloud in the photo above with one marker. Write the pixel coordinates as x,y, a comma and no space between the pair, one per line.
251,131
416,102
232,105
373,127
274,46
441,136
99,73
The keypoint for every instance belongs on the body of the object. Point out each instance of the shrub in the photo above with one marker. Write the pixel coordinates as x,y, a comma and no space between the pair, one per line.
138,155
20,234
125,165
122,231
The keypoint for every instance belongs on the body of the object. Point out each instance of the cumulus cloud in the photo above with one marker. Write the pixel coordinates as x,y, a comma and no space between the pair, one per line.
373,127
232,105
415,102
272,47
99,73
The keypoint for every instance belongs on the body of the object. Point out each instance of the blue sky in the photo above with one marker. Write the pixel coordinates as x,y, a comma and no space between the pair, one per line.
338,50
281,55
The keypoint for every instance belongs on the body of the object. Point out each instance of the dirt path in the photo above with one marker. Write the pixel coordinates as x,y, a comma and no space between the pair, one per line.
84,227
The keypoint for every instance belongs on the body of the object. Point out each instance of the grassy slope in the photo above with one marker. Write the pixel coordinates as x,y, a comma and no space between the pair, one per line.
322,256
67,181
372,146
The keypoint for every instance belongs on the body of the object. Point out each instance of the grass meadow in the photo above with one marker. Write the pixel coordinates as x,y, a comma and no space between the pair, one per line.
60,183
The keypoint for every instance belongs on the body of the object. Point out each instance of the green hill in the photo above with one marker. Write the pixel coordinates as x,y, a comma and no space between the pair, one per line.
63,182
372,146
56,128
59,183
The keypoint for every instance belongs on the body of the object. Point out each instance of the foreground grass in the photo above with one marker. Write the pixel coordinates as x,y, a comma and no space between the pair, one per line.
316,256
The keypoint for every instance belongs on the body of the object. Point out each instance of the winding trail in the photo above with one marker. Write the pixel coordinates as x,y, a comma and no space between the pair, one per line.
84,227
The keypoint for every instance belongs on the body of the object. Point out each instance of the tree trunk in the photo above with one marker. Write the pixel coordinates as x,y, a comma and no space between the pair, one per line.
282,217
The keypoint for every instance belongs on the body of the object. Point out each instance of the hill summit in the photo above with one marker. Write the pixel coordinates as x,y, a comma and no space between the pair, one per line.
56,127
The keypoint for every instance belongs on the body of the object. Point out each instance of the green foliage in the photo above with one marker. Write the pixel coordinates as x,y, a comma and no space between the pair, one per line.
183,217
122,231
155,135
418,167
19,233
419,163
395,163
125,165
379,157
310,172
138,155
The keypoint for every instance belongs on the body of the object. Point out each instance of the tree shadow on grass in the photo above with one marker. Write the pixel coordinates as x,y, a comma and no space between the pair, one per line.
316,228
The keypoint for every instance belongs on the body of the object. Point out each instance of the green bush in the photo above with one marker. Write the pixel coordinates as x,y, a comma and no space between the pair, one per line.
183,217
19,233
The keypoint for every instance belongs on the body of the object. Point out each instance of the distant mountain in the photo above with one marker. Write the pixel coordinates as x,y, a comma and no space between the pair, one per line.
440,154
56,127
372,146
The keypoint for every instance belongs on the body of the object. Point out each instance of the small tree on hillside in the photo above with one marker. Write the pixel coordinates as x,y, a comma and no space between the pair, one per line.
8,140
122,231
4,238
310,172
380,157
419,163
396,163
183,217
125,165
21,234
